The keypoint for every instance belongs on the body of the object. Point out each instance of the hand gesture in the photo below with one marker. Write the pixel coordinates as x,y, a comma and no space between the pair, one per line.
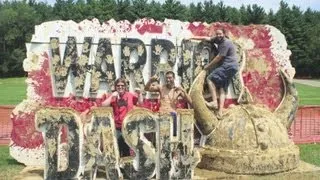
137,90
115,94
154,78
180,91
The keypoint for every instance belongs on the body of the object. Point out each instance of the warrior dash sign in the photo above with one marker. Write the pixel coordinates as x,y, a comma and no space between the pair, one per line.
72,67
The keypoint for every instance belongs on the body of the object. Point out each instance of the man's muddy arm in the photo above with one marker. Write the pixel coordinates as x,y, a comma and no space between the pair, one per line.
151,87
213,62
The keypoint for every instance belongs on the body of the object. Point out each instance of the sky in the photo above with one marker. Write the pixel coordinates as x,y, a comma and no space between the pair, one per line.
266,4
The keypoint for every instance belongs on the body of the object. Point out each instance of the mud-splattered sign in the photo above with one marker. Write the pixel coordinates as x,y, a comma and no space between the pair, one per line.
170,155
74,65
63,160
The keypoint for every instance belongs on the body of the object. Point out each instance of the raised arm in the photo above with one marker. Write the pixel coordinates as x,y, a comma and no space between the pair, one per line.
152,87
139,96
188,98
108,101
184,94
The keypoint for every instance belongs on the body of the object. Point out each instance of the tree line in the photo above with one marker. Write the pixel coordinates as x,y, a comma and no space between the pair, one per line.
18,18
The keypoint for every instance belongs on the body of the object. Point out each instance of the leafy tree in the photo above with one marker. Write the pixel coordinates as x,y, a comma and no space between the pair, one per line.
196,12
312,29
43,11
103,9
221,12
244,15
174,10
290,22
271,19
17,20
140,8
124,10
64,10
209,13
233,15
155,11
256,14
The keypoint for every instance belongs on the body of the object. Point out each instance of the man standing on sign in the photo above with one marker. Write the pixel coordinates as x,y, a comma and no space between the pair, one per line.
226,67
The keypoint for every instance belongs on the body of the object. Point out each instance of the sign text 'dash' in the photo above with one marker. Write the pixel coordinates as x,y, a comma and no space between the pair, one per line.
85,148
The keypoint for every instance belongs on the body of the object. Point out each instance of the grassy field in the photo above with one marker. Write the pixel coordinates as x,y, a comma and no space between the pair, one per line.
308,95
12,91
310,153
8,166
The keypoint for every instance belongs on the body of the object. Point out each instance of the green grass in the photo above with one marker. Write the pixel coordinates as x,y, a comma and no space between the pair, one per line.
310,153
308,95
12,91
8,166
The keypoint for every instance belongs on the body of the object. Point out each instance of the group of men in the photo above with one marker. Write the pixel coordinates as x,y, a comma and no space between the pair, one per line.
172,96
122,101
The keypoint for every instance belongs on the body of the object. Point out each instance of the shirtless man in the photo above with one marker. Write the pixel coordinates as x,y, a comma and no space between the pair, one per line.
171,97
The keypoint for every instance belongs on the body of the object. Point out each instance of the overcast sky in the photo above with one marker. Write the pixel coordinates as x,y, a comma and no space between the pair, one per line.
266,4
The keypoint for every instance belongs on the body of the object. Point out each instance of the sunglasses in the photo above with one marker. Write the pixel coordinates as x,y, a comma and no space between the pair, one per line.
120,85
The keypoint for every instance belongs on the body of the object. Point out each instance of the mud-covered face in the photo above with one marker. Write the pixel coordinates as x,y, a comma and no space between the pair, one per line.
219,36
121,88
169,80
